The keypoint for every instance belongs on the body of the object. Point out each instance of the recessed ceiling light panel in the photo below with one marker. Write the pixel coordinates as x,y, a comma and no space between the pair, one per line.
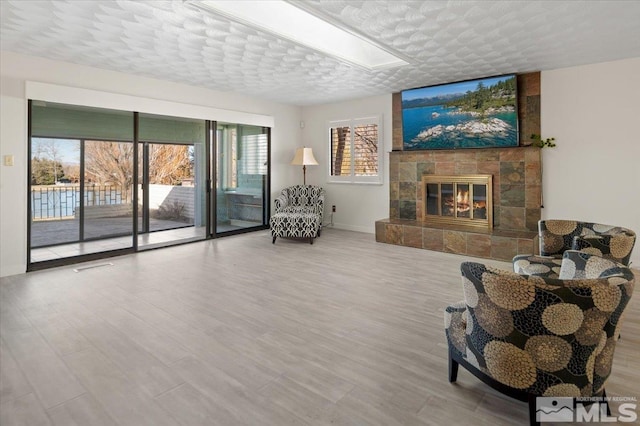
287,21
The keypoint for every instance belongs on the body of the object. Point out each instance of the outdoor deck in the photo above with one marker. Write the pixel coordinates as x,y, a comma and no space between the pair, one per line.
59,238
48,237
49,232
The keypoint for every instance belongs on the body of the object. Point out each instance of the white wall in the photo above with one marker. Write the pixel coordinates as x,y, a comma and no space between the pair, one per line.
593,112
16,69
593,174
358,206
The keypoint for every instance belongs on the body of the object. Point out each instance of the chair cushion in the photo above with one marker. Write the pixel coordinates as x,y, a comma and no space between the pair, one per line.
303,195
295,224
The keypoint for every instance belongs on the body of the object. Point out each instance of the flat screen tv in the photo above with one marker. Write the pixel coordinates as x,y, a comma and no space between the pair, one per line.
480,113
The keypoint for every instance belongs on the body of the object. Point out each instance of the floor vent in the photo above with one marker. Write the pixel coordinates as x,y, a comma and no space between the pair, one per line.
99,265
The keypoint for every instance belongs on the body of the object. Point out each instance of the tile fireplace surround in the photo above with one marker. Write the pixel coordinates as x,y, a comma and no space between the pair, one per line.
516,201
517,186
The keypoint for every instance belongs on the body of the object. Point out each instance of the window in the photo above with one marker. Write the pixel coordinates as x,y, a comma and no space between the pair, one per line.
227,140
254,152
355,151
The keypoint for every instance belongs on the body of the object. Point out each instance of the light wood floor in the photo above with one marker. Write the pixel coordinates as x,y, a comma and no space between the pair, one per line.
238,331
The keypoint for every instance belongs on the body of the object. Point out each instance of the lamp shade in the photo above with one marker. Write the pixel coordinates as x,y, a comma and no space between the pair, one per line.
304,157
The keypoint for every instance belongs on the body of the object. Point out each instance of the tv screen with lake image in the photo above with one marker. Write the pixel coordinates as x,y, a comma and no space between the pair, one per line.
477,113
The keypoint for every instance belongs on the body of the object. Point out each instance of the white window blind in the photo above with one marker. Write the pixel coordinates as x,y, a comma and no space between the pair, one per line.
355,151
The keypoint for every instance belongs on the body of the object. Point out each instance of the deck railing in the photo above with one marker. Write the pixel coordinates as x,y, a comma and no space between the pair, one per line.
63,201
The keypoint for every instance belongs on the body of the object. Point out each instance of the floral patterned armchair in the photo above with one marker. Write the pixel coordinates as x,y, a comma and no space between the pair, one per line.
557,236
298,213
529,336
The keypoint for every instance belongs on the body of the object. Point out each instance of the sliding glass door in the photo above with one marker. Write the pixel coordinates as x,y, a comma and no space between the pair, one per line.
172,180
81,181
242,168
106,180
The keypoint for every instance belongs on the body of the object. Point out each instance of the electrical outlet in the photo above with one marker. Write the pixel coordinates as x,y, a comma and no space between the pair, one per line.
333,209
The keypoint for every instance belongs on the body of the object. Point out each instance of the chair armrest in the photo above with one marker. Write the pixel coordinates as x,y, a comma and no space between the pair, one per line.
281,202
320,206
460,306
541,266
579,265
455,325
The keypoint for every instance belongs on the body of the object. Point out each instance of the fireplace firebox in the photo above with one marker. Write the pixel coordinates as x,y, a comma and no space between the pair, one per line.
461,200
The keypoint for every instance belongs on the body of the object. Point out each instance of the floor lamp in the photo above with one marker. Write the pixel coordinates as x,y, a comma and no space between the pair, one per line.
304,157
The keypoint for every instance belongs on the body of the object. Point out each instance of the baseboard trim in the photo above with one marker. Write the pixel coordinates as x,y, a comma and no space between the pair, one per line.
8,270
365,229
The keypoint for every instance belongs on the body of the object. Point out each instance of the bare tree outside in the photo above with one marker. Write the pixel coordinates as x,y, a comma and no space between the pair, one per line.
366,150
51,151
358,150
109,163
340,157
170,164
112,163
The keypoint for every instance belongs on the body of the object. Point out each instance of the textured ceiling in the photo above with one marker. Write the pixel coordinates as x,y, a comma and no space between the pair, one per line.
447,41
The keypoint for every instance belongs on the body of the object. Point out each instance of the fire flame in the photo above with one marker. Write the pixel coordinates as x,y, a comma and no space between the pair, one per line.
463,197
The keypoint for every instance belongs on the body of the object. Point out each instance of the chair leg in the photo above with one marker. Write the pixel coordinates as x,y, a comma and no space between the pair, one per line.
311,240
532,411
453,370
319,232
274,240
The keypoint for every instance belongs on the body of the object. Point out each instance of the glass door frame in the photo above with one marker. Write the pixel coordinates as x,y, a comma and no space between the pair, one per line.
266,186
62,261
146,143
211,166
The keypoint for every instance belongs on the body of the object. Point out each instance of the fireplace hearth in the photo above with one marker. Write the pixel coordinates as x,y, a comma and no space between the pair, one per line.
461,200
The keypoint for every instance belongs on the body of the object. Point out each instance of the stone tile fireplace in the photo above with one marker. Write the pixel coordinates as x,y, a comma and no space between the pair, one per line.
512,197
